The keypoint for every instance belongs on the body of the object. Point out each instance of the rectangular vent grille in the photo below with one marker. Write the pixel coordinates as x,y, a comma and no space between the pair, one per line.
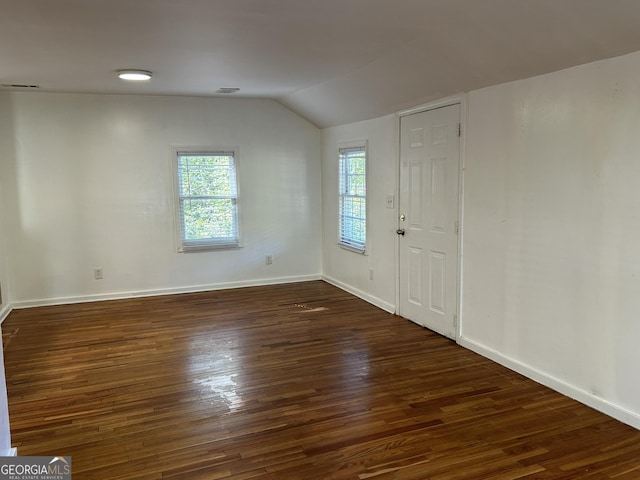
19,85
227,90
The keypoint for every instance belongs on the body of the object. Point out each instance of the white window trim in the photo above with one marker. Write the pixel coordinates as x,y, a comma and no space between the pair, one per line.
343,146
207,245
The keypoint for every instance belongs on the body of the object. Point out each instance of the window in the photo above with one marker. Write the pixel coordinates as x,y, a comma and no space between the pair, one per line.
207,197
352,221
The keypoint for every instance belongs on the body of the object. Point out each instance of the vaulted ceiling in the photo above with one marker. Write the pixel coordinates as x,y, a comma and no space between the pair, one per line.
331,61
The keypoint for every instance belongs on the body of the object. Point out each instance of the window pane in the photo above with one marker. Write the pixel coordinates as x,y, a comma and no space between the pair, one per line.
356,165
355,185
206,175
208,219
353,207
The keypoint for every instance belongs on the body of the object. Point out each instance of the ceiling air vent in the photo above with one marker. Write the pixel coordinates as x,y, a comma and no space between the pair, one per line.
19,85
227,90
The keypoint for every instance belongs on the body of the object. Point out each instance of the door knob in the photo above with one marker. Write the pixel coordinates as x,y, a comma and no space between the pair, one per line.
400,231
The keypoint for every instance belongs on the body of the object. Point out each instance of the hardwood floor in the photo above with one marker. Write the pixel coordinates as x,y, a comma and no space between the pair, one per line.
286,382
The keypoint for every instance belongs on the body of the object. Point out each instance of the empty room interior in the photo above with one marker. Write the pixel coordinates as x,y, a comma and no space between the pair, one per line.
338,239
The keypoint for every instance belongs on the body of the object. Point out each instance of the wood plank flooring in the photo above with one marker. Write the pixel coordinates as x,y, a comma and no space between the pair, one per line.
287,382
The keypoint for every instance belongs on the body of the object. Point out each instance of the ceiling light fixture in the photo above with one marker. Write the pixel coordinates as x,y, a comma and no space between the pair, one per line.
135,75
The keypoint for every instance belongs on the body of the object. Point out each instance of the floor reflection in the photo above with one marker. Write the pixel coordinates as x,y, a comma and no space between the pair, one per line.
226,388
216,368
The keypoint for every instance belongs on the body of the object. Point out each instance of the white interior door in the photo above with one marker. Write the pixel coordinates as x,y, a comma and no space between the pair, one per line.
428,224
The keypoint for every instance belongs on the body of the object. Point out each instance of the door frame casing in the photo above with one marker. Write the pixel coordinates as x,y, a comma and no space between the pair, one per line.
458,99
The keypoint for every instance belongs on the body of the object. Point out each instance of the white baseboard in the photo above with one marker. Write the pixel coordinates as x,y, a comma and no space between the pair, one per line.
582,396
4,312
162,291
386,306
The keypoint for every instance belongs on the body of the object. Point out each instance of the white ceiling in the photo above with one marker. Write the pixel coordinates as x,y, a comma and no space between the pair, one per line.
332,61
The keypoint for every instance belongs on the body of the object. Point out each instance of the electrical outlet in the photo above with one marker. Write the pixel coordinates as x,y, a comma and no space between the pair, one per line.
371,274
97,273
268,260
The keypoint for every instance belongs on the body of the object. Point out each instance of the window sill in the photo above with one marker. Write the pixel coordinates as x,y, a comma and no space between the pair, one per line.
352,249
208,247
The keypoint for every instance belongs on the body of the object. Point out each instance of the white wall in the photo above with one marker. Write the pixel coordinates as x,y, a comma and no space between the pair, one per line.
349,270
6,153
551,230
89,185
4,278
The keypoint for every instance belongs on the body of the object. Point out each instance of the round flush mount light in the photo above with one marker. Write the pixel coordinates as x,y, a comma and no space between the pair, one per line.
135,75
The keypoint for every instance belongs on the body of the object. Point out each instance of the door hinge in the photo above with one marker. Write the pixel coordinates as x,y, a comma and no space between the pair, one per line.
455,320
459,129
457,227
